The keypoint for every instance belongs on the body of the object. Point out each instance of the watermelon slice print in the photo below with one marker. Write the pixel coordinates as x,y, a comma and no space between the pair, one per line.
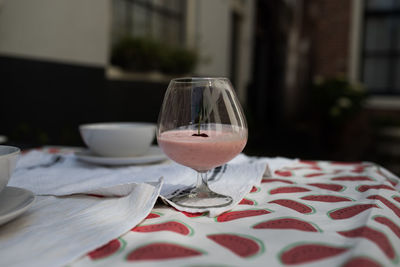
294,205
153,215
309,162
346,163
112,247
350,211
397,198
363,188
283,173
387,203
162,251
373,235
255,189
271,180
288,223
307,252
288,189
310,175
234,215
190,214
352,178
172,226
327,198
242,245
246,201
361,262
389,223
331,187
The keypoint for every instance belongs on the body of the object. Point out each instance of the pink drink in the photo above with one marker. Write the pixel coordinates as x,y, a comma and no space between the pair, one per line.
202,153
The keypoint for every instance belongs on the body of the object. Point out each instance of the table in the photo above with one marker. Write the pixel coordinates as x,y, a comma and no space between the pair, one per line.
312,213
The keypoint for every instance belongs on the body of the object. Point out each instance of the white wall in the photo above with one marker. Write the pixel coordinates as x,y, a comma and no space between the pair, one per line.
213,37
73,31
208,28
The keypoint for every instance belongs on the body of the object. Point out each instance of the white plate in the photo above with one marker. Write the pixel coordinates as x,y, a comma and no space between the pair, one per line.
153,155
13,202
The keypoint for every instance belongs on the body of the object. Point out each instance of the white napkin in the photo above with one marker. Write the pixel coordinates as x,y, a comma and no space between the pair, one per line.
57,230
47,174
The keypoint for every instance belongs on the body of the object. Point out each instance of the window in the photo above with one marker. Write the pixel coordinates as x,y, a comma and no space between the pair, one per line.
162,20
381,47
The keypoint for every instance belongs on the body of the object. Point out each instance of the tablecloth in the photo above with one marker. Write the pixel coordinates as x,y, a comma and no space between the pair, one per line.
312,213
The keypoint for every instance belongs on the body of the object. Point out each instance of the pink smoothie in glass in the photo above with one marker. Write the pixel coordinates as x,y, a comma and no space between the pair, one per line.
202,153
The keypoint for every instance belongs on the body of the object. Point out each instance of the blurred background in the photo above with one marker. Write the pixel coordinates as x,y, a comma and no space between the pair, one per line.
318,79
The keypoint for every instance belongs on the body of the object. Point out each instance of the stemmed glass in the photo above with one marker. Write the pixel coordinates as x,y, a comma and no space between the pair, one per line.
201,125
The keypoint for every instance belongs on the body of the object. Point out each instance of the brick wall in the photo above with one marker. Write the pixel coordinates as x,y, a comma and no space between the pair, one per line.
328,27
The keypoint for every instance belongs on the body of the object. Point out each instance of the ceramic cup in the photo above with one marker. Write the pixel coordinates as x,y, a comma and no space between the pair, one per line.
8,161
118,139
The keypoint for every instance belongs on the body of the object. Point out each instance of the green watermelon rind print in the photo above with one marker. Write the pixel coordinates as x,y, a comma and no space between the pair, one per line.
292,245
203,252
255,239
191,230
290,217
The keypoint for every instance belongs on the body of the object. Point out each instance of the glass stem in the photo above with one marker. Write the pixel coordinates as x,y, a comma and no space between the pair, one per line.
202,182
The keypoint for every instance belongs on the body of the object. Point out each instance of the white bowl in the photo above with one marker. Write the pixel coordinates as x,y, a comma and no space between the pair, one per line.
118,139
8,160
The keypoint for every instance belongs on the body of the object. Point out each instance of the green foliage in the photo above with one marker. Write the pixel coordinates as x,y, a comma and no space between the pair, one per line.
143,54
336,99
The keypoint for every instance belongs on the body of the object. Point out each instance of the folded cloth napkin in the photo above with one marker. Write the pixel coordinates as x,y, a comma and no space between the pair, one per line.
58,230
49,174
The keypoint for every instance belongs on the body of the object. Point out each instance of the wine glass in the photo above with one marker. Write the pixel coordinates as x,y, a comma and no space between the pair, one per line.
201,125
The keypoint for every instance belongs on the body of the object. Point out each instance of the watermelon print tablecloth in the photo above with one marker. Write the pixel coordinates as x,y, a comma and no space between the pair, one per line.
313,213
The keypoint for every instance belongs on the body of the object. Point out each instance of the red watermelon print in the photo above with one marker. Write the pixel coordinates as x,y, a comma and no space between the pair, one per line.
294,205
361,262
352,178
389,223
254,189
308,162
234,215
305,253
162,251
108,249
363,188
310,175
271,180
387,203
373,235
326,198
246,201
397,198
172,226
288,189
283,173
191,215
241,245
153,215
346,163
330,187
288,223
350,211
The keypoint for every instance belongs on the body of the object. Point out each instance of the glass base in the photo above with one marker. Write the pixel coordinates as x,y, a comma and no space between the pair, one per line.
201,199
